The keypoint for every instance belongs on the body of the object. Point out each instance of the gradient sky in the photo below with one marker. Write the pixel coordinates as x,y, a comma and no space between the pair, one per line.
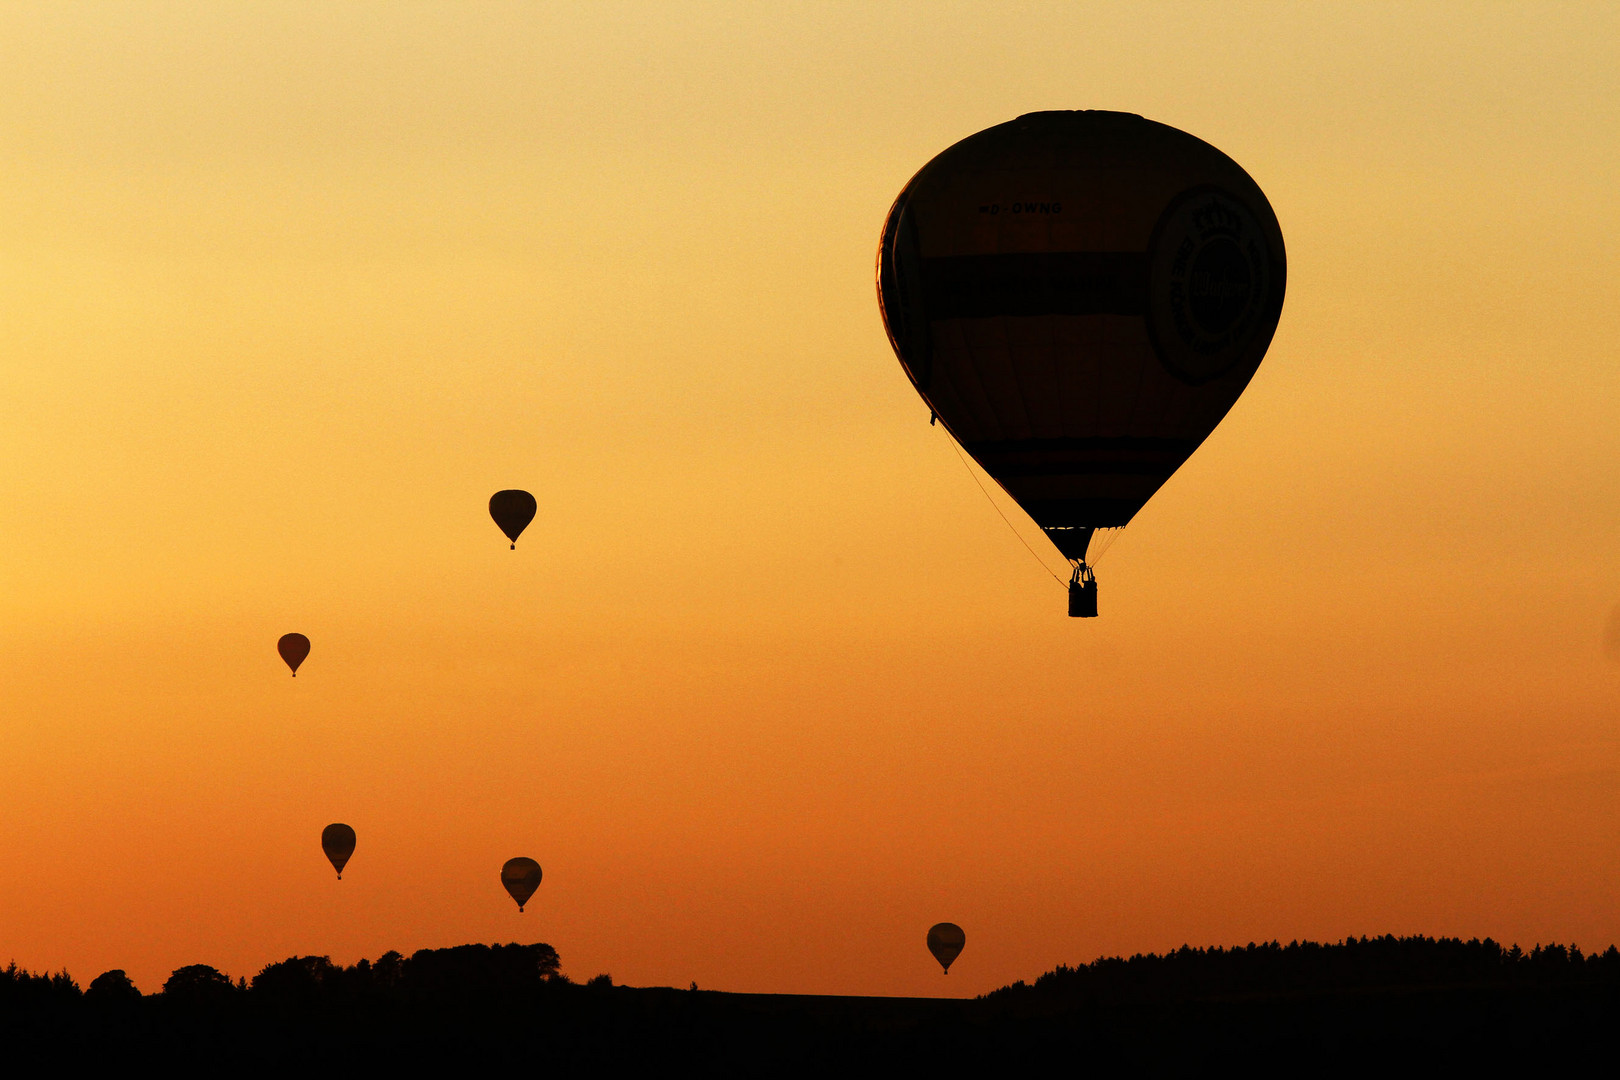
287,290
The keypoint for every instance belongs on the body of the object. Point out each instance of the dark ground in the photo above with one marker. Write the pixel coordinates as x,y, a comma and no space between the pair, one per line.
1304,1009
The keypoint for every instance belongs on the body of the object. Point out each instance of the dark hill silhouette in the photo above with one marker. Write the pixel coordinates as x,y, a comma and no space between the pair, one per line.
1304,1008
1307,967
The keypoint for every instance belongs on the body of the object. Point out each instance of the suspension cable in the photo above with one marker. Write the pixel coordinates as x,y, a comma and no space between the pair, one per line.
1004,517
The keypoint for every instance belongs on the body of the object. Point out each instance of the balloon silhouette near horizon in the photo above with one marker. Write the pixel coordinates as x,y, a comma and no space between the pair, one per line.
945,941
521,877
512,511
293,649
337,840
1079,298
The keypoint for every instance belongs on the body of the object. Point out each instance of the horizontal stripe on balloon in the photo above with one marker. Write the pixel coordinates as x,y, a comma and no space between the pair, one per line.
1036,283
1100,455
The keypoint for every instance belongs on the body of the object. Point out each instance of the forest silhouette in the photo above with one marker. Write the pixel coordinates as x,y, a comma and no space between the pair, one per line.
1304,1006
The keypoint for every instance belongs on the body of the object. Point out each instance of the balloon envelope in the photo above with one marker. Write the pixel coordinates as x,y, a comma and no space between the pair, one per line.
1080,297
512,511
945,941
293,648
521,877
337,841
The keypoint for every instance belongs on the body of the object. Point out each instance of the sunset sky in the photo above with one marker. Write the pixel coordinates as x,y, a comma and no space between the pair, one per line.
768,688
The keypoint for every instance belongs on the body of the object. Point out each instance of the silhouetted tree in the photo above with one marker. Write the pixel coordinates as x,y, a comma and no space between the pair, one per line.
299,979
198,983
112,986
389,970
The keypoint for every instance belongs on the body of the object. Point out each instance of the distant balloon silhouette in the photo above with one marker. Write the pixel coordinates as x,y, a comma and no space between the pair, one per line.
338,843
945,941
512,511
1080,297
521,877
293,648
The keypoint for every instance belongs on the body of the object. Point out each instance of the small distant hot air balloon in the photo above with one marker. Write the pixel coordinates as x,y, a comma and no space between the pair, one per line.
512,511
293,648
521,877
945,941
338,843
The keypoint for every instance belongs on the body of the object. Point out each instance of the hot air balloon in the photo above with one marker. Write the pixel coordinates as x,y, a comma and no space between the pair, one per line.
1080,297
293,648
338,843
945,941
512,511
521,877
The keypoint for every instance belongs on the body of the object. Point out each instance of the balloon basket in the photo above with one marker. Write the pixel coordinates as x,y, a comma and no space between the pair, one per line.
1082,594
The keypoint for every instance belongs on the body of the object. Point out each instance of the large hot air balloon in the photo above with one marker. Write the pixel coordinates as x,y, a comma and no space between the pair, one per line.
512,511
338,842
521,877
945,941
293,648
1080,297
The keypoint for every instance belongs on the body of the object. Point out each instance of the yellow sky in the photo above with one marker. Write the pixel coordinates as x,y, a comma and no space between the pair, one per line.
287,290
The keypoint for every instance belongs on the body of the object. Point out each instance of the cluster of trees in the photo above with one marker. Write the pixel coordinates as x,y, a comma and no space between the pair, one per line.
1309,967
432,1004
473,1003
480,970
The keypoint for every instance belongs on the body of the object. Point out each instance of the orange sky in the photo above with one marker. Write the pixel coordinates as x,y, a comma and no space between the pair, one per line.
286,291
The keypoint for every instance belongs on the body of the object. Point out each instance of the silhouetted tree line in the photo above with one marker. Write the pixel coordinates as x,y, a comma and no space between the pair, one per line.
1309,967
1304,1008
301,1006
478,970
